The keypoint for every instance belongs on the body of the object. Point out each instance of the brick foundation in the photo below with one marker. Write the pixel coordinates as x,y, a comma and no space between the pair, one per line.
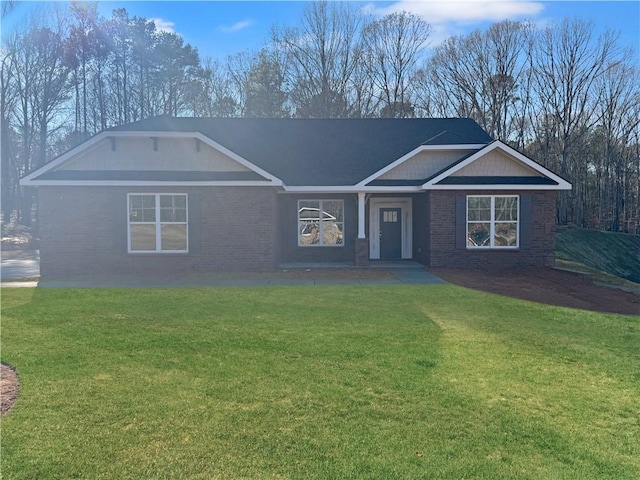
362,252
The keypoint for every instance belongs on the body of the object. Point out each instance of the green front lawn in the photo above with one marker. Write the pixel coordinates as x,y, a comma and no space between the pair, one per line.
403,382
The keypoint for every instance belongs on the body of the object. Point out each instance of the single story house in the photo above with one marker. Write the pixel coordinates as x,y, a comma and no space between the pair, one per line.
172,194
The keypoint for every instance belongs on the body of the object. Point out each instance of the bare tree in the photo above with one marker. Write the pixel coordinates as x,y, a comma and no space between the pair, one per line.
8,98
214,95
39,78
81,48
481,75
618,108
7,6
567,62
392,47
322,56
361,96
120,74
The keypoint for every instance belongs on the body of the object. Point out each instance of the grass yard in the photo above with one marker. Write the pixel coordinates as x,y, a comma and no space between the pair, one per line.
394,382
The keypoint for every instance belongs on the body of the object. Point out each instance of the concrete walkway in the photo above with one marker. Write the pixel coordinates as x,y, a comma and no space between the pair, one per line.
21,269
415,276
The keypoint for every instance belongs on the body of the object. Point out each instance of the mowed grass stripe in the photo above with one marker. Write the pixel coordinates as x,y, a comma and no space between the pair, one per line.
317,382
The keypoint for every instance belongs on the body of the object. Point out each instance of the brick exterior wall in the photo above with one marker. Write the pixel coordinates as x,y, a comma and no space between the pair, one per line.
441,243
83,231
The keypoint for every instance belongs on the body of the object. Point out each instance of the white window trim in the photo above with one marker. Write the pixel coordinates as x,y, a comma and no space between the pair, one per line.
492,224
158,224
321,233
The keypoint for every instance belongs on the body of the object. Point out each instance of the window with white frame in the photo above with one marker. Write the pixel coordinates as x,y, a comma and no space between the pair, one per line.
320,223
157,222
492,221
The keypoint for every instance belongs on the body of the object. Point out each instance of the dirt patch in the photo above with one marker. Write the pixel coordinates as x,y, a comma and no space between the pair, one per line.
549,286
8,388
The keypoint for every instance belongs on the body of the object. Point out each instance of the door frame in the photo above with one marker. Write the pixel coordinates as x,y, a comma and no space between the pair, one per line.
405,204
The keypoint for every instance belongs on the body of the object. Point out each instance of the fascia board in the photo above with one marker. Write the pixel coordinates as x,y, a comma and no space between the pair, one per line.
27,180
351,189
416,151
495,186
142,183
234,156
562,183
285,189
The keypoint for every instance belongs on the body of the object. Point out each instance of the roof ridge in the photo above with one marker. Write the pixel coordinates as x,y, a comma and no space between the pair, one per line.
434,137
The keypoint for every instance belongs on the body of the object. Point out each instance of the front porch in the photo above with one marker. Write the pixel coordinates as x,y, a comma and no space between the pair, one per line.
373,227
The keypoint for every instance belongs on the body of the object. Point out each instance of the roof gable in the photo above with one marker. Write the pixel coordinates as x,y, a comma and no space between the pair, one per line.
421,163
496,166
149,156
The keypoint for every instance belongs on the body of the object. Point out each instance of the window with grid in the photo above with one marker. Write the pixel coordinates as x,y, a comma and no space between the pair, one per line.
320,223
492,221
157,223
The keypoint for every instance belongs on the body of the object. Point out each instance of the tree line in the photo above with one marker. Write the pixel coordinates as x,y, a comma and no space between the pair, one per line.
565,96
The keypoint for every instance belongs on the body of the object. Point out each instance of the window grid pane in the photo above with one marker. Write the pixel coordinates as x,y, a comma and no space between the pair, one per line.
492,221
173,237
479,235
320,222
158,223
506,234
143,237
142,208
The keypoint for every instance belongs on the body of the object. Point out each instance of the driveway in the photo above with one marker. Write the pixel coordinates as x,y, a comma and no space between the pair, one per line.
19,265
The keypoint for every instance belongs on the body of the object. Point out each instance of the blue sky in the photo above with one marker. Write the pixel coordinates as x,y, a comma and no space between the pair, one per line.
220,28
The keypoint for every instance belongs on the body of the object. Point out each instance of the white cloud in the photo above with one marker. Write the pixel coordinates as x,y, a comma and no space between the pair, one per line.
468,11
455,17
236,27
163,25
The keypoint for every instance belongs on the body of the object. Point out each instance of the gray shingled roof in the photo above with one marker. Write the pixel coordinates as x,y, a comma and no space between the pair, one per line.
321,151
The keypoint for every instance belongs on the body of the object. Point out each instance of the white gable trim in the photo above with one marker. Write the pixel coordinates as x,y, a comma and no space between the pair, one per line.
562,184
352,189
242,161
413,153
495,186
87,146
62,159
151,183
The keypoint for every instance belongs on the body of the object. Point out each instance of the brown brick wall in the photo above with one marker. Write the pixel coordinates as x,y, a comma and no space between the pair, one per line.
84,231
442,235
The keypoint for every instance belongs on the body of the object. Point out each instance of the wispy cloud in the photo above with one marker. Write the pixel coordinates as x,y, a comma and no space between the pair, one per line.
163,25
236,27
449,17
